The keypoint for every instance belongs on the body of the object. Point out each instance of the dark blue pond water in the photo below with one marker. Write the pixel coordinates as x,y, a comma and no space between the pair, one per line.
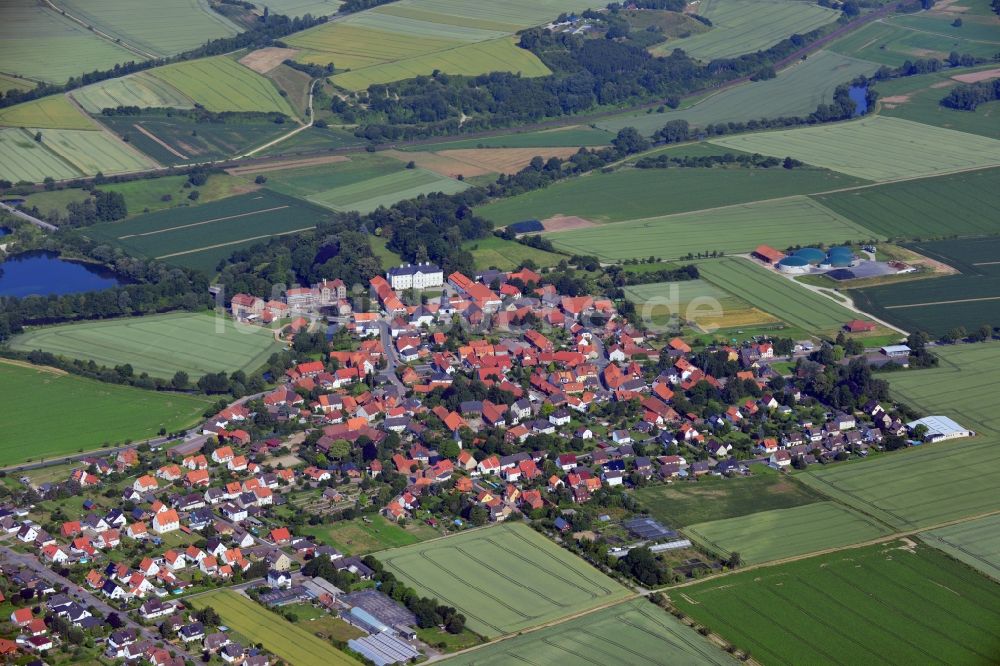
44,273
859,95
4,231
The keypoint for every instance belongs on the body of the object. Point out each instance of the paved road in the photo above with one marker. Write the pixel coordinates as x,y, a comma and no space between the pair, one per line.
28,218
392,361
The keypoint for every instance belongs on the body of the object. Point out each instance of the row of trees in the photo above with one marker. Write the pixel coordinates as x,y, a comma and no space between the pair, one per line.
968,97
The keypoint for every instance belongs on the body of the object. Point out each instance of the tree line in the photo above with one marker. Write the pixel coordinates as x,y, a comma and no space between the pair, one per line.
969,96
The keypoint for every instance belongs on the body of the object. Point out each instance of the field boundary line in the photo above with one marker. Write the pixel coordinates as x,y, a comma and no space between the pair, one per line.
196,224
235,242
157,139
961,300
103,35
31,366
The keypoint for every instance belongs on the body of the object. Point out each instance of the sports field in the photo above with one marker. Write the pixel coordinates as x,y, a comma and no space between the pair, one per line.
632,194
504,579
777,295
894,603
780,533
731,230
141,89
221,84
697,301
155,27
977,543
91,413
365,196
288,641
23,158
920,487
746,26
959,204
634,632
93,152
960,387
796,91
505,255
918,98
54,111
42,44
196,343
183,235
876,148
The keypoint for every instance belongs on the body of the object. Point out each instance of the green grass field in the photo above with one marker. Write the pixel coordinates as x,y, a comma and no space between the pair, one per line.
960,387
695,301
196,343
888,603
187,235
918,488
54,111
94,152
977,543
306,181
959,204
505,255
356,537
746,26
221,84
504,579
23,158
635,632
796,91
367,195
158,28
682,504
572,136
631,194
8,82
878,148
91,413
30,29
893,41
286,640
780,533
146,196
297,8
734,229
141,89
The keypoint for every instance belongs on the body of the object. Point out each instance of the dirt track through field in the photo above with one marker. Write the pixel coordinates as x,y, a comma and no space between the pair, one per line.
961,300
198,224
31,366
162,143
287,164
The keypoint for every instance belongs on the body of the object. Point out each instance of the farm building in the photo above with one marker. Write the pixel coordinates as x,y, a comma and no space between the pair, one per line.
895,351
804,259
858,326
940,428
768,254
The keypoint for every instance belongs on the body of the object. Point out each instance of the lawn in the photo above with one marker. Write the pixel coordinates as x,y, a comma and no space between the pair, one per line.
221,84
960,204
635,632
890,603
507,255
780,533
54,111
875,148
686,503
796,91
920,487
960,387
512,578
365,196
746,26
977,543
91,413
572,136
630,194
196,343
357,537
286,640
697,301
141,89
384,254
94,152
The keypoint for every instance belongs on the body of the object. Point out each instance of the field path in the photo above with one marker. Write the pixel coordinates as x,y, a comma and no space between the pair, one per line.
157,139
312,87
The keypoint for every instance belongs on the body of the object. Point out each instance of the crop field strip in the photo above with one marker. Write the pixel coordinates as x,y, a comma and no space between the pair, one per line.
52,112
221,84
977,543
780,533
878,148
513,578
22,158
93,152
367,195
695,300
921,487
299,8
158,344
891,42
796,91
873,617
747,26
141,89
635,631
573,136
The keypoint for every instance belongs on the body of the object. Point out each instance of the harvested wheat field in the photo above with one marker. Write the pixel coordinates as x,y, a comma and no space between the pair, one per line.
566,223
264,60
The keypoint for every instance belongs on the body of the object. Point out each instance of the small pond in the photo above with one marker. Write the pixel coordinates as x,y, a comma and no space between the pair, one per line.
40,273
859,95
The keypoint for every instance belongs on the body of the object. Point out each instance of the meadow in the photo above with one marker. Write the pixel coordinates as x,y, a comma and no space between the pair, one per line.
918,488
365,196
631,194
777,295
877,148
471,162
91,413
506,255
184,235
733,229
308,178
146,195
696,301
141,89
23,158
636,632
796,91
977,543
29,29
896,603
959,204
197,343
573,136
895,40
780,533
221,84
959,387
709,499
288,641
357,537
742,26
157,28
512,578
8,82
54,111
95,152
